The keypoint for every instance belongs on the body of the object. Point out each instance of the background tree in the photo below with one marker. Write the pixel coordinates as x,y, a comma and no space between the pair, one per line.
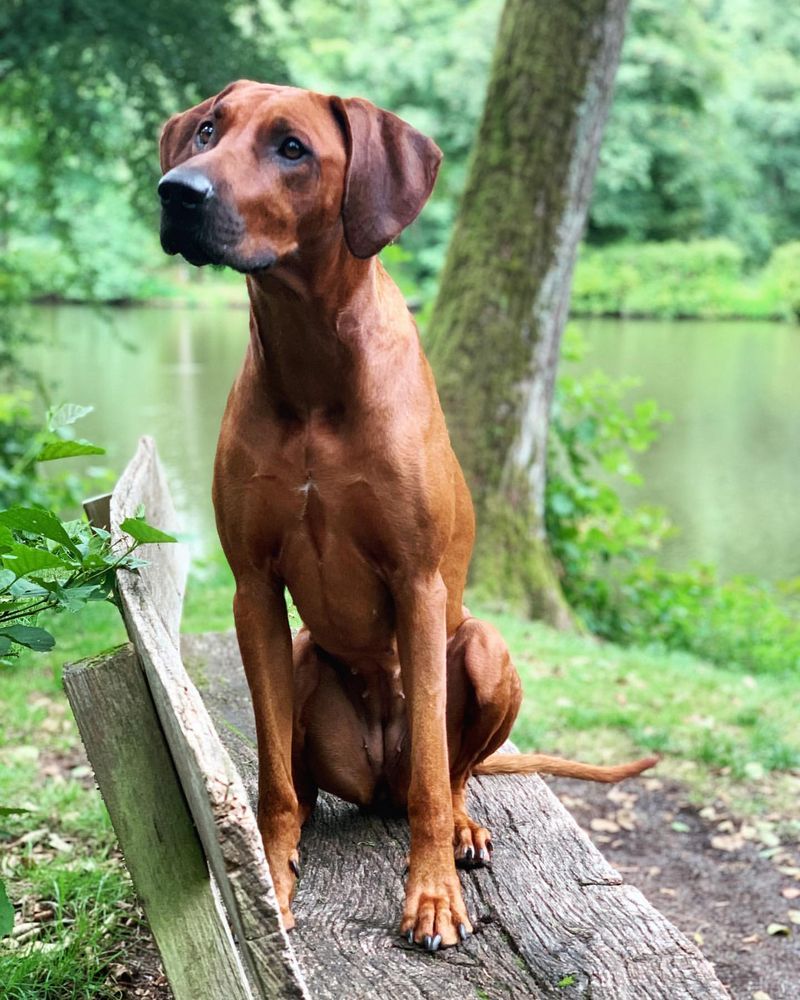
496,327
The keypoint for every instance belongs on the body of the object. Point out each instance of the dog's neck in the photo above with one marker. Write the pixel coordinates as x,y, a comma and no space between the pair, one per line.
315,324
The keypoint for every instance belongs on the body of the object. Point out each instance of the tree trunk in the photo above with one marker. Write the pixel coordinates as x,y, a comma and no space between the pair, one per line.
495,333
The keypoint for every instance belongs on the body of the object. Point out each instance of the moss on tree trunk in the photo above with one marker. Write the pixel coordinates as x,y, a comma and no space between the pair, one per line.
495,333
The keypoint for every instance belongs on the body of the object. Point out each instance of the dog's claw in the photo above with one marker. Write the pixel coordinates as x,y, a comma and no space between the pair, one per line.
469,854
295,867
483,854
426,942
436,942
409,936
462,932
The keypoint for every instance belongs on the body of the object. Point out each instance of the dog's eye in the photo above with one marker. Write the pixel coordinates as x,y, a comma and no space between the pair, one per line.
204,134
291,148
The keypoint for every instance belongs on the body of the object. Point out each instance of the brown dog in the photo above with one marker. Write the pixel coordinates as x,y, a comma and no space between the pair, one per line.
335,479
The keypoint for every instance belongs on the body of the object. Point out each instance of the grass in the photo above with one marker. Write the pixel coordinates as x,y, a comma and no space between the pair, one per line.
67,864
718,730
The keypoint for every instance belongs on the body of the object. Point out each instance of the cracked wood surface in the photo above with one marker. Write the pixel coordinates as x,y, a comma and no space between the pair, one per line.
551,910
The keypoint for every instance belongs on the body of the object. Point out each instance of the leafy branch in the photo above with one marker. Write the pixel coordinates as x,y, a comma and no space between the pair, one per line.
54,565
48,564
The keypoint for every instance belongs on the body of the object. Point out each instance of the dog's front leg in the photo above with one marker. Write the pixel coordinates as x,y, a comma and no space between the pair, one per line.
434,911
265,641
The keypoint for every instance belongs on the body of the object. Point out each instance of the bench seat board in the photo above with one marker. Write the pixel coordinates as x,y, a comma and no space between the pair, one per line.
550,909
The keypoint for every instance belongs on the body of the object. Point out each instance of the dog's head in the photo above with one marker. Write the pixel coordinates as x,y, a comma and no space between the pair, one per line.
259,174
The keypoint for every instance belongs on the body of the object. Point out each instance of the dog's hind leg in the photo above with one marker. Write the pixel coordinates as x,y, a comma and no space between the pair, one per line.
483,698
331,739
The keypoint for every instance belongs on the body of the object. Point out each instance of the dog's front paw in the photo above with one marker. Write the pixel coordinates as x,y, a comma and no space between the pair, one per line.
434,915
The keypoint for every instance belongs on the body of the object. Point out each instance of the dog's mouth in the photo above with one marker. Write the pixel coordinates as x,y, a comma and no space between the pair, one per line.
199,248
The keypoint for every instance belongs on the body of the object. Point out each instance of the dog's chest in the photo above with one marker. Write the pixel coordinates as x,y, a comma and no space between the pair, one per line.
324,504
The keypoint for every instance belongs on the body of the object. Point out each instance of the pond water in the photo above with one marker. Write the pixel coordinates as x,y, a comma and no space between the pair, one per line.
727,468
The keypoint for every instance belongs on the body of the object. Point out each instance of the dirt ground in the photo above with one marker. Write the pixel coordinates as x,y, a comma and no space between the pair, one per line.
707,873
704,870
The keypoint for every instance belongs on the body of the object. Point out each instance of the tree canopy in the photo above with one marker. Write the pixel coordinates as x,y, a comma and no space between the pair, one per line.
703,139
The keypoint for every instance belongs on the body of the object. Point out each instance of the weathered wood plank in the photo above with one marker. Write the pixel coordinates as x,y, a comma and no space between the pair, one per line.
551,907
120,730
151,602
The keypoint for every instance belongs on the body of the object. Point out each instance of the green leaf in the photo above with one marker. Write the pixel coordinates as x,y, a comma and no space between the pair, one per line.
143,532
14,810
5,645
30,636
7,577
67,413
74,598
566,980
28,588
25,559
6,912
54,447
37,521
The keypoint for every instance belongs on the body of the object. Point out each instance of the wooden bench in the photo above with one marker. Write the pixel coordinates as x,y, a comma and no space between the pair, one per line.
168,728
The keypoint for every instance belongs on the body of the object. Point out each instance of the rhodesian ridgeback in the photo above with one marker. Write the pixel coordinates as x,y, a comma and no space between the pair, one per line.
335,480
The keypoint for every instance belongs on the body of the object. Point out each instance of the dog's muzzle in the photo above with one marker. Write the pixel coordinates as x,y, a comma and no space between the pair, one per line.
199,221
192,221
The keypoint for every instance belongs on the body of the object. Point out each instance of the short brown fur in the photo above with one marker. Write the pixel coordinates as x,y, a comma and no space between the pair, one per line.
335,479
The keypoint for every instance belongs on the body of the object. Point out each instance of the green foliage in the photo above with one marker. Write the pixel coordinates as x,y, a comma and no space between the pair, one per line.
703,135
703,278
740,623
23,444
84,91
703,139
53,565
6,912
609,554
781,277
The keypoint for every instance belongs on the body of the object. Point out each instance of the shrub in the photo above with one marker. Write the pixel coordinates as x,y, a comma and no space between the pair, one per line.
702,278
782,276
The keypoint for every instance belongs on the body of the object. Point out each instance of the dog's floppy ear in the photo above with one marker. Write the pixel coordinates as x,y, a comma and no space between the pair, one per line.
391,170
175,144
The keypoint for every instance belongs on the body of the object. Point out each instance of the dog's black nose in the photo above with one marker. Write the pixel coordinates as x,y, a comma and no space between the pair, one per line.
184,188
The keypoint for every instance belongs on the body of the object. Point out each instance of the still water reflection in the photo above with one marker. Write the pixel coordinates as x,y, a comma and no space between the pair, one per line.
727,468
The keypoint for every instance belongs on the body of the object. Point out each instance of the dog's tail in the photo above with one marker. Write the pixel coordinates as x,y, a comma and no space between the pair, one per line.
539,763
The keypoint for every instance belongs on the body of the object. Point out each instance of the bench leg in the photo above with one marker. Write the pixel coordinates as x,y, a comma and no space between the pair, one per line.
134,770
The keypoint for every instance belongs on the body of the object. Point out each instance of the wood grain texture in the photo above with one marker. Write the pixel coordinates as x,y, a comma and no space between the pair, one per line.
134,770
550,907
151,602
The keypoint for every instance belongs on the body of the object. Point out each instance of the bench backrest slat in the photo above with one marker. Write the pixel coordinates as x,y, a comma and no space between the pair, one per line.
151,605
